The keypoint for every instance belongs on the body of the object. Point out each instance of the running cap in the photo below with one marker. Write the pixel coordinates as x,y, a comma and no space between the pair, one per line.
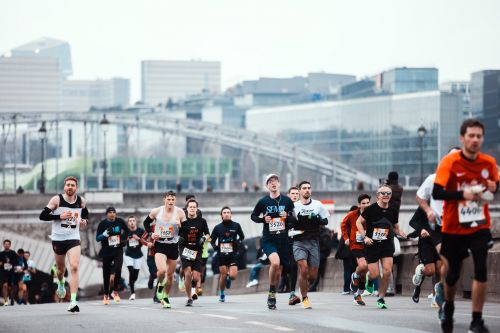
110,209
270,176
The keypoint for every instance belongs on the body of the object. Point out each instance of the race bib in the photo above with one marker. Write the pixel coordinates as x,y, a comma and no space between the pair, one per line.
132,242
7,266
189,254
70,222
167,232
277,225
470,212
114,240
226,247
380,234
359,237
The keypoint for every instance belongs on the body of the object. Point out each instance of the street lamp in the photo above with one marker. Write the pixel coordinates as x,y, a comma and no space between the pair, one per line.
422,131
42,133
104,125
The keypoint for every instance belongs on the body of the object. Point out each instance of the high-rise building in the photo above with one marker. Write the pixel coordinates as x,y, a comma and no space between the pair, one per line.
163,80
404,80
81,95
463,89
485,104
29,84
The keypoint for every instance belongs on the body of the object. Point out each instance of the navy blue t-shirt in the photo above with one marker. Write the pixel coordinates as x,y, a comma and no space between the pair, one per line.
272,207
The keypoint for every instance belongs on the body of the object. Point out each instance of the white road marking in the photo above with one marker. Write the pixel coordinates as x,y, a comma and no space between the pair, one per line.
218,316
266,325
182,311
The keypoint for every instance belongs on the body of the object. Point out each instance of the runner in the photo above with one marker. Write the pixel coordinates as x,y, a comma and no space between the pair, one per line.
310,214
226,239
28,275
381,222
466,181
166,236
68,213
354,240
133,253
112,233
274,211
294,195
192,235
8,260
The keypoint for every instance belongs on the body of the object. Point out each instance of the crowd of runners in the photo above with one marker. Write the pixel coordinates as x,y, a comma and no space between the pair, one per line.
452,221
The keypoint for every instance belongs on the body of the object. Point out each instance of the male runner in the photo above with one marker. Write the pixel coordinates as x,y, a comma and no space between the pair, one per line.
310,214
381,222
275,212
112,233
192,235
293,193
166,236
8,262
133,253
466,180
226,238
68,213
354,240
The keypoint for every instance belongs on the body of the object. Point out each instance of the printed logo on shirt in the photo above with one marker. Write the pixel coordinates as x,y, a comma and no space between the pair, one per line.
485,173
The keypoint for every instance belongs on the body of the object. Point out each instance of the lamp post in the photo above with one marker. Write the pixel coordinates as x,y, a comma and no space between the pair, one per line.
422,131
42,133
104,125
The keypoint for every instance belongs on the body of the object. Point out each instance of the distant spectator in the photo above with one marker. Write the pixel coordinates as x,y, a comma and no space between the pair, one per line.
262,260
20,190
360,186
178,186
244,187
256,187
397,190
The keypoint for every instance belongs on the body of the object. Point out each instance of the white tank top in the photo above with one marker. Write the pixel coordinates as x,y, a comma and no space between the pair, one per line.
168,230
68,229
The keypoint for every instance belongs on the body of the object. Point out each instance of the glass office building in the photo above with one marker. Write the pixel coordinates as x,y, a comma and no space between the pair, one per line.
375,135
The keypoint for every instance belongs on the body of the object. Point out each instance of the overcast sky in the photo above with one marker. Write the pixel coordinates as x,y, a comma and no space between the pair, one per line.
262,38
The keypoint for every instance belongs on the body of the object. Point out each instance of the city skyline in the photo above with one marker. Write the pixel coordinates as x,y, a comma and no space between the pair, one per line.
259,39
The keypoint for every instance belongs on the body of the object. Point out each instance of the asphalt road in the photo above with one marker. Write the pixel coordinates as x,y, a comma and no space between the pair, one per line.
241,313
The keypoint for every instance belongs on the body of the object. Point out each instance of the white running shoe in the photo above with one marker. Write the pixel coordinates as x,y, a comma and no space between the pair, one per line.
417,277
252,283
61,291
132,297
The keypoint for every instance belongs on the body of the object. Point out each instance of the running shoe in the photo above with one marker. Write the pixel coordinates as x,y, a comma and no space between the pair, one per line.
73,307
381,304
193,295
6,302
434,304
439,298
105,300
355,281
189,302
252,283
228,282
306,303
199,291
345,292
181,285
132,297
61,291
293,300
358,300
166,303
160,291
116,297
222,298
417,277
416,294
478,327
366,293
446,322
271,300
156,299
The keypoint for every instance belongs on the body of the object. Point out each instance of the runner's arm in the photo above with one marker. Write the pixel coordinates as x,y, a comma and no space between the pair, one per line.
241,235
46,215
148,220
255,216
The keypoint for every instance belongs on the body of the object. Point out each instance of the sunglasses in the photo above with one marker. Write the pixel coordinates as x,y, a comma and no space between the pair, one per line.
385,193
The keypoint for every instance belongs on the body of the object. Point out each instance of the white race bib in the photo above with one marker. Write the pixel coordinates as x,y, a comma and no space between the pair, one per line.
226,247
276,225
114,240
471,212
380,234
132,242
189,254
71,221
359,237
167,232
7,266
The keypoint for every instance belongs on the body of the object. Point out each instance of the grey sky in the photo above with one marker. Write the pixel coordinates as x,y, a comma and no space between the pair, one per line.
263,38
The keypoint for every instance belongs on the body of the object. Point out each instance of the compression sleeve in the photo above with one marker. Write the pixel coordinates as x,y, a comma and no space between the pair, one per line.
147,224
46,216
85,213
439,193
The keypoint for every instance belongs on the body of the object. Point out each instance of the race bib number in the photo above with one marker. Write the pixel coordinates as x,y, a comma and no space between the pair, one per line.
114,240
276,225
226,247
132,242
70,222
167,232
189,254
470,212
7,266
359,237
380,234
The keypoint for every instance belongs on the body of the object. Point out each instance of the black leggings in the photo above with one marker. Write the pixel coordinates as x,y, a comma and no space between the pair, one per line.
133,275
112,265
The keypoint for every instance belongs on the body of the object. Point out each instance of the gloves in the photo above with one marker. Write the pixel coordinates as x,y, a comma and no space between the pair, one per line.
106,232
